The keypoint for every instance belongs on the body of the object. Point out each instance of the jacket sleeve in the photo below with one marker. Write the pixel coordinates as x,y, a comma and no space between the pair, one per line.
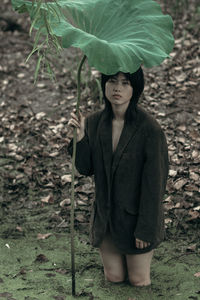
150,225
83,160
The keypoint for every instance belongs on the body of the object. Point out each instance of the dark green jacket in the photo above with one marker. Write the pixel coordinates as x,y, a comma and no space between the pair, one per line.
130,183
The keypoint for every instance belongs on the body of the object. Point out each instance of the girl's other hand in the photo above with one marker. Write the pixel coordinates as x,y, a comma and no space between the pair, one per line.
79,123
141,244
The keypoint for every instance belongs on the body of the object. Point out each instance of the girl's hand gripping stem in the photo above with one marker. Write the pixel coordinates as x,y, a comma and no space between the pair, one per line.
79,123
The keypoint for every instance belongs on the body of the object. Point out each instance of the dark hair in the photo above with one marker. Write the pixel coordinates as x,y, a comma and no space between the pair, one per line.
137,82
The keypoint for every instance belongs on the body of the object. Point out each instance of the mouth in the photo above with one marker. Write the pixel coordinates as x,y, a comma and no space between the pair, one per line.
117,96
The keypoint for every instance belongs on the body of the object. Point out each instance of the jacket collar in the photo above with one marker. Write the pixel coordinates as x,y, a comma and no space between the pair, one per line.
111,160
105,133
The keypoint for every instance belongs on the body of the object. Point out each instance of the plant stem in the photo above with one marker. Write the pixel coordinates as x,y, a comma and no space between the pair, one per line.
73,271
79,84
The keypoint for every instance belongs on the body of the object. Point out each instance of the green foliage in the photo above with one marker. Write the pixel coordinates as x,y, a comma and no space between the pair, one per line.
114,35
46,43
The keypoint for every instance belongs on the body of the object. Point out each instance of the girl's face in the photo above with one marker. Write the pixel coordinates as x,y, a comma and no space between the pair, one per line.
118,90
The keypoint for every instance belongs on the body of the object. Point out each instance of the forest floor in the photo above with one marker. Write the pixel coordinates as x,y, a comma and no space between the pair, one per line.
35,170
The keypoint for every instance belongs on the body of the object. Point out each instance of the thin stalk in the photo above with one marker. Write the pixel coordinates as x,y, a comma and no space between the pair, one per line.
165,6
100,91
73,270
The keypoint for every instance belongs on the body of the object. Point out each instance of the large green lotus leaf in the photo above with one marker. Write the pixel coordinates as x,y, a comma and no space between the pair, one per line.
115,35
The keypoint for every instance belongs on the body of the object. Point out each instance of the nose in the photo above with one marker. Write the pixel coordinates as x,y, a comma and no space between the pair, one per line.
117,87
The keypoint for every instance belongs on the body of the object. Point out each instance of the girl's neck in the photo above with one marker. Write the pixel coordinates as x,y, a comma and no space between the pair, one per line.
119,113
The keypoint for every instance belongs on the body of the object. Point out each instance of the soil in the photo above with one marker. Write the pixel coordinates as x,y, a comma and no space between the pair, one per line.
35,169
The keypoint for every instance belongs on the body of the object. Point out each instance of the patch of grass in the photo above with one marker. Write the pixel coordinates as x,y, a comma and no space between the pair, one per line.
23,276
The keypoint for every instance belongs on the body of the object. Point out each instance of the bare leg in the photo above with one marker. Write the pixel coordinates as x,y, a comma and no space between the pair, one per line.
114,263
138,266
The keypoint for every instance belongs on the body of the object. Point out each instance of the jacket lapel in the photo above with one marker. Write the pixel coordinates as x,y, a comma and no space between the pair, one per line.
128,132
105,132
110,159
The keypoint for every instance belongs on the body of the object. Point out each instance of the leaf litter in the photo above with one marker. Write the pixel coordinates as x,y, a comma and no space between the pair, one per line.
34,164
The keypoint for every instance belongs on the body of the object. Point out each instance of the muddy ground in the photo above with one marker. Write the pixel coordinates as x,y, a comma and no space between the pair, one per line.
35,169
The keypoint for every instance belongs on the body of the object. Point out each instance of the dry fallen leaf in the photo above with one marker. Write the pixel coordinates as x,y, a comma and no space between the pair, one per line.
41,258
16,156
40,115
80,218
197,208
192,247
65,202
180,183
181,128
18,228
197,274
40,85
168,221
22,271
83,197
178,205
12,147
194,215
168,206
181,77
191,188
43,236
62,271
186,204
195,135
195,154
59,297
66,179
194,176
85,188
47,199
54,154
172,173
168,199
6,295
81,203
21,75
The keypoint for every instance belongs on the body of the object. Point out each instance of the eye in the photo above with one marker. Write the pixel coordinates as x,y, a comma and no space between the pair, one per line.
112,79
126,82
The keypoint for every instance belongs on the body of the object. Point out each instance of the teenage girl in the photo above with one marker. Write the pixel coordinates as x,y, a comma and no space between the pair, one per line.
126,151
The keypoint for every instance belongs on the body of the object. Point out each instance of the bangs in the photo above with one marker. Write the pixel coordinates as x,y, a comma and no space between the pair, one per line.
105,78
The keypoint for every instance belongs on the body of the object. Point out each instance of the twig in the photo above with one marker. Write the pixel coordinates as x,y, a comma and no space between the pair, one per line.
73,176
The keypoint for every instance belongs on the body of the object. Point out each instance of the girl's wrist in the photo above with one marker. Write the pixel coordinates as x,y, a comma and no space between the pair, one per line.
80,136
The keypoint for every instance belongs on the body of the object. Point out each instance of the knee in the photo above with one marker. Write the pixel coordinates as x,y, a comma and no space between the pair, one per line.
114,277
139,281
